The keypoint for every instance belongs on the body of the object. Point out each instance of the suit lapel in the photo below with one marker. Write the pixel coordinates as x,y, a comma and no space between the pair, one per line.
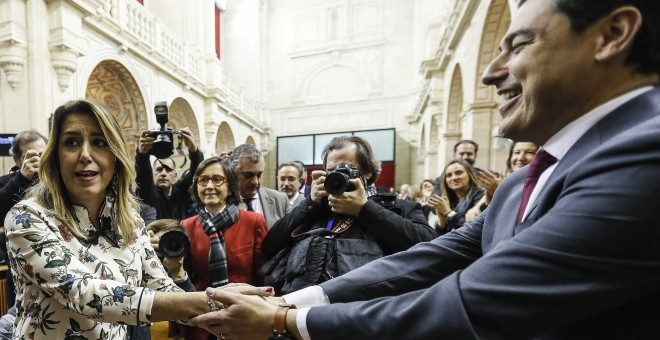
634,112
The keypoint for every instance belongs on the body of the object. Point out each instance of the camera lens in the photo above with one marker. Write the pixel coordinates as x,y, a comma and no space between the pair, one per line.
336,183
174,244
162,146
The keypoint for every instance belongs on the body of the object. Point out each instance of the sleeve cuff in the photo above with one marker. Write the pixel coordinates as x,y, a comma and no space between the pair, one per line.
144,306
308,297
301,323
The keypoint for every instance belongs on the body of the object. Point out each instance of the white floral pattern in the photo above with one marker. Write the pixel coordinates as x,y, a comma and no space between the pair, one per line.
71,288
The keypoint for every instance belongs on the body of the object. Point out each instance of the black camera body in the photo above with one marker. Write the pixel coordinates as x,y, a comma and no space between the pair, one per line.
337,181
163,146
174,244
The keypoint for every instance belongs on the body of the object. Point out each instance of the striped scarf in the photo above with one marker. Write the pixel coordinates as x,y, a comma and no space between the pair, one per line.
215,226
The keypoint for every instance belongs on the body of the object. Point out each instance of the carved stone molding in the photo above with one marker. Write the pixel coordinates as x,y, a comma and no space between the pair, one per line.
12,60
64,62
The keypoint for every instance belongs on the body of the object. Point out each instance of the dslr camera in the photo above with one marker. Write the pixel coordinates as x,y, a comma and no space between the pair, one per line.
163,146
337,181
174,244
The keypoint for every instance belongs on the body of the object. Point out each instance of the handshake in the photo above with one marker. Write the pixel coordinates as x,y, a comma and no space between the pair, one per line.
242,311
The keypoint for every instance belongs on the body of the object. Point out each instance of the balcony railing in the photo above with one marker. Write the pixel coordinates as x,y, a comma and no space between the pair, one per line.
150,34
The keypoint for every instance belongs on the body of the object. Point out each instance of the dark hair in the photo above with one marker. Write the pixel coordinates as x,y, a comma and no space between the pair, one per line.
508,159
453,198
644,53
230,173
22,138
364,154
294,164
244,151
166,224
467,141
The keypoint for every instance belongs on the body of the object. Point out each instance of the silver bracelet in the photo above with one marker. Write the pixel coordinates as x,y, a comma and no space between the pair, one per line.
211,303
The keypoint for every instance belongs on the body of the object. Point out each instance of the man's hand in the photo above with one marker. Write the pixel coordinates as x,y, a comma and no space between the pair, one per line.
188,139
145,143
30,165
350,202
174,267
318,188
244,316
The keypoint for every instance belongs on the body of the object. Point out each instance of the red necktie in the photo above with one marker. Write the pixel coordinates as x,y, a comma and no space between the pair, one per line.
542,161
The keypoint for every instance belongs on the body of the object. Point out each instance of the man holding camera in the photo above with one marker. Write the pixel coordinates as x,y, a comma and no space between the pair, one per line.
26,149
158,187
344,222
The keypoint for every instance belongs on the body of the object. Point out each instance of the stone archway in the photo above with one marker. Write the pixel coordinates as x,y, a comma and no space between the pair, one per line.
113,85
452,126
498,19
483,110
224,139
250,141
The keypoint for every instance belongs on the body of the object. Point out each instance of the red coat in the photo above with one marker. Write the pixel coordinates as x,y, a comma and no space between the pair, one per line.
244,256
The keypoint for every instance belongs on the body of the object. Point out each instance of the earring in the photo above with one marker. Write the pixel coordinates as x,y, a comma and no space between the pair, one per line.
114,186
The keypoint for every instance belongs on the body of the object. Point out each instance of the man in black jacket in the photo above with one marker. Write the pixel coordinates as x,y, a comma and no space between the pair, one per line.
344,231
158,188
26,149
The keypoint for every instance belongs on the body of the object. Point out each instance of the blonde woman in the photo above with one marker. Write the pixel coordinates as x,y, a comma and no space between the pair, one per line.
79,252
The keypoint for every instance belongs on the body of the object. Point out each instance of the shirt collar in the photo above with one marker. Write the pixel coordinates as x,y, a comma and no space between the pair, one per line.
294,198
559,144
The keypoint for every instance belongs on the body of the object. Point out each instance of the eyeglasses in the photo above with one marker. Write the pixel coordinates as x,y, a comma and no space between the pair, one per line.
217,180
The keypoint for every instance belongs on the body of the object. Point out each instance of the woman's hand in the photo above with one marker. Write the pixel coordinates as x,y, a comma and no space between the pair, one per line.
489,181
440,204
243,316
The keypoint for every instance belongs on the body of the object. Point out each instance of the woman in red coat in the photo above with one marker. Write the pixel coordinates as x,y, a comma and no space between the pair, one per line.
225,242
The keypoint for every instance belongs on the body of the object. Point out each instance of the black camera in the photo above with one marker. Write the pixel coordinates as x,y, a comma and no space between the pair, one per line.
163,146
174,244
336,182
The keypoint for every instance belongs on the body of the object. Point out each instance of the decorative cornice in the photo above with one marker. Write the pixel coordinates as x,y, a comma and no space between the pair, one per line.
63,60
12,60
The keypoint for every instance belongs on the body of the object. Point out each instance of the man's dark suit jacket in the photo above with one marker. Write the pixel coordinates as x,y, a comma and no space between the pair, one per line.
584,264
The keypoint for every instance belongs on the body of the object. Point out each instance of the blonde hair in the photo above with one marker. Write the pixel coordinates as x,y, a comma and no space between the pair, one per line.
50,191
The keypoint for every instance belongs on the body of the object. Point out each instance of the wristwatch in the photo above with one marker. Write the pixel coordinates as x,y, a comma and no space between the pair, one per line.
451,214
279,324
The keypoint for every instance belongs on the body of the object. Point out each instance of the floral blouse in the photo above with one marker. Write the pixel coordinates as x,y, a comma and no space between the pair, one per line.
71,288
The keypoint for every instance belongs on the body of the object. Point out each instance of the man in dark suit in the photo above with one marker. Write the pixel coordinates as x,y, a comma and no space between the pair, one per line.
576,256
249,164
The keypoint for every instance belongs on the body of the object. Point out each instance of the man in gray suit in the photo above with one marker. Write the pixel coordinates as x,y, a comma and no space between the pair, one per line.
290,177
576,256
249,164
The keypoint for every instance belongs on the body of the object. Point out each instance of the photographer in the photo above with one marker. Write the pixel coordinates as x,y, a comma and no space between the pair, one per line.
157,187
344,230
26,149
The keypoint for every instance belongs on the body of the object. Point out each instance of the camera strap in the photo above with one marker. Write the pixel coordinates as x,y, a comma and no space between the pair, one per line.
336,225
179,150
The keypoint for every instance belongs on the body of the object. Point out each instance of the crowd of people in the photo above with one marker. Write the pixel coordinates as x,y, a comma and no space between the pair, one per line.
552,246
